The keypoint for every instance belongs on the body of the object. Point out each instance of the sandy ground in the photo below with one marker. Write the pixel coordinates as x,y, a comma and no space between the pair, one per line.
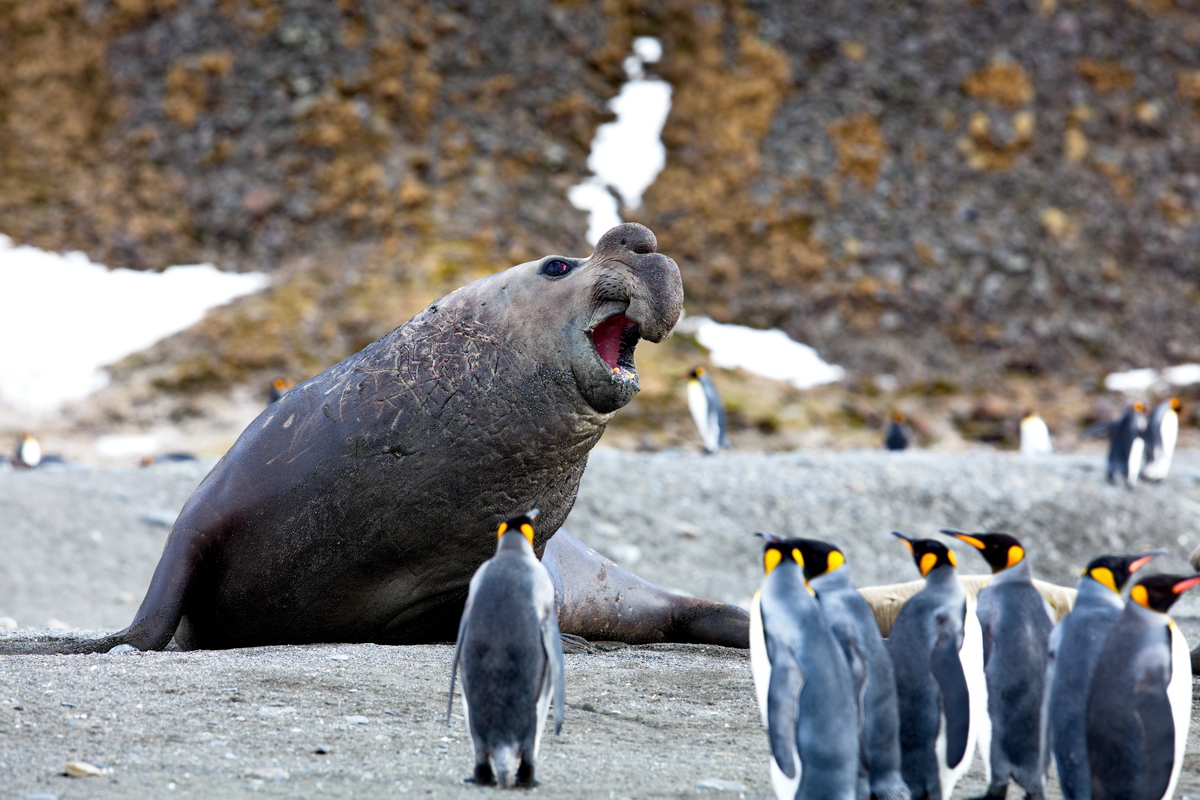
369,721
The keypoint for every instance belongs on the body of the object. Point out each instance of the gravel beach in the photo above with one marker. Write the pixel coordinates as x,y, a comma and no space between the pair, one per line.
79,545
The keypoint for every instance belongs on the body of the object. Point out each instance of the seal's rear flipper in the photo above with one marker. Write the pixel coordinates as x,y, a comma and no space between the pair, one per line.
598,600
158,616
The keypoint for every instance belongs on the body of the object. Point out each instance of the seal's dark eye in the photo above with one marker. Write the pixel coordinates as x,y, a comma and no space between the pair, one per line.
556,268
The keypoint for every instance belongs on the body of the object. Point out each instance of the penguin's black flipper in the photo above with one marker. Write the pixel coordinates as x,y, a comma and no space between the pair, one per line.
947,670
462,626
783,705
1158,731
552,643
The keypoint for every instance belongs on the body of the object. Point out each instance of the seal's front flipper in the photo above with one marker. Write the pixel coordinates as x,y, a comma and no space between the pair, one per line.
598,600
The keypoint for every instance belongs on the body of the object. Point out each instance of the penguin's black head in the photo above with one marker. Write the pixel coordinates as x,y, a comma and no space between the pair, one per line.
999,550
1159,592
522,523
818,558
928,554
1115,571
776,551
697,373
1176,406
899,418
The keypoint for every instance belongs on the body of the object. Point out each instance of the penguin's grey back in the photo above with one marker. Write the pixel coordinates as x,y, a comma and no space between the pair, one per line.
1133,744
826,732
505,668
853,624
1075,645
927,635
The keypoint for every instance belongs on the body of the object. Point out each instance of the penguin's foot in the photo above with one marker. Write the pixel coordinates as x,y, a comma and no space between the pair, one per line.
899,792
525,775
483,775
993,793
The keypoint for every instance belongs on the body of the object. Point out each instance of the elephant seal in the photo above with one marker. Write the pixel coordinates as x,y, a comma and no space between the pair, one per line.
357,506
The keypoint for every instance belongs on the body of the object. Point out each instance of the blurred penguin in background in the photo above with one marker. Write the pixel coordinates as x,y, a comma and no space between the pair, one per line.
1126,446
1162,431
803,685
29,451
1035,435
279,387
510,653
853,625
898,434
1016,622
937,651
1140,701
708,412
1074,650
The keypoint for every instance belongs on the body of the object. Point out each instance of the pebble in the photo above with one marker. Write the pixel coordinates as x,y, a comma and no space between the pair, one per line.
267,774
124,648
82,769
718,785
162,518
356,719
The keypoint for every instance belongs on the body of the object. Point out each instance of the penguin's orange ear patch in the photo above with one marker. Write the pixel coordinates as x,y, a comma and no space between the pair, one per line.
502,529
928,562
797,556
836,559
1104,575
527,530
771,559
1015,554
953,558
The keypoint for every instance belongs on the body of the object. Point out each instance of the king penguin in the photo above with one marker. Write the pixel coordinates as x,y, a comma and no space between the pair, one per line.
708,412
1016,622
1126,446
29,451
853,625
937,650
1140,700
1162,430
510,652
1075,646
1035,435
898,433
803,685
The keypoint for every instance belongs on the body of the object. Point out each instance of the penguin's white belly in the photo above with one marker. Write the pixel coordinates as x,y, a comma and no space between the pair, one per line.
760,666
1179,694
980,733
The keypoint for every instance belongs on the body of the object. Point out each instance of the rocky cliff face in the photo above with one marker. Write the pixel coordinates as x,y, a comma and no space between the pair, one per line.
934,189
941,191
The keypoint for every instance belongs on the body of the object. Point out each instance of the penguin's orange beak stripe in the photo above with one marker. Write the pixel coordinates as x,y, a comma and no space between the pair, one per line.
1183,586
1141,562
971,540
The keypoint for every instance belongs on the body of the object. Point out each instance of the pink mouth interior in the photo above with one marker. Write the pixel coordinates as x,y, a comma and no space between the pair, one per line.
606,337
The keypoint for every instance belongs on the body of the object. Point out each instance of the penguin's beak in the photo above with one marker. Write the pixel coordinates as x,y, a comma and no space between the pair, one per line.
1145,559
964,537
1184,585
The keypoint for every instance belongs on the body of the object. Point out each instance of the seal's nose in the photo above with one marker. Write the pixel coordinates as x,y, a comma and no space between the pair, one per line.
628,236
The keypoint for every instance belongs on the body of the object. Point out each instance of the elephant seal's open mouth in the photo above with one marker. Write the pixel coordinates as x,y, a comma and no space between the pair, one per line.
615,340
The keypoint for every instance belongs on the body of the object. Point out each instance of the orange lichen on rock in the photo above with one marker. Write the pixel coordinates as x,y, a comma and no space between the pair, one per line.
1104,76
860,147
1002,81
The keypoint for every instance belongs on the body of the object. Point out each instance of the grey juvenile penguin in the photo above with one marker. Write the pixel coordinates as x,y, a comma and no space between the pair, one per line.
511,657
1016,622
853,624
1075,646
